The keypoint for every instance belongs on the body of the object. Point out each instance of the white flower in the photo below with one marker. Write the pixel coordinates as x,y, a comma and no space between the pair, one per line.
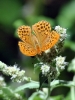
1,78
63,36
2,82
45,69
16,74
45,90
60,29
2,65
62,32
47,51
60,62
13,71
18,96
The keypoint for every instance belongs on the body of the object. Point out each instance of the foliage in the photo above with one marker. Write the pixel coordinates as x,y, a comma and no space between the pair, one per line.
14,13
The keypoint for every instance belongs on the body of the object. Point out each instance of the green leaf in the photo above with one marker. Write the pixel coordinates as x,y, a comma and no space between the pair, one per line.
8,91
71,67
68,97
66,16
39,95
37,66
31,85
70,45
59,97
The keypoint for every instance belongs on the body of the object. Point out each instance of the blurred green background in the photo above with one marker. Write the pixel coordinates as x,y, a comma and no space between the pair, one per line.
14,13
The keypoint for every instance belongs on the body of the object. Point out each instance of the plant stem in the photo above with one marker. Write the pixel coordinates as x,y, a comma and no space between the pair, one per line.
73,90
49,81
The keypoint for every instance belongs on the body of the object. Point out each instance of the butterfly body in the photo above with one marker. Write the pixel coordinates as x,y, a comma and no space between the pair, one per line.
42,39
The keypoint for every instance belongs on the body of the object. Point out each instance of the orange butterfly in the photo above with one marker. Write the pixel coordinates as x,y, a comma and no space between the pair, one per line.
42,39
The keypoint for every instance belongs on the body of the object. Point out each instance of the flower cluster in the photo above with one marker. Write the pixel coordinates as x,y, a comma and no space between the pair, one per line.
62,32
51,56
60,29
15,73
48,55
53,72
60,62
2,66
45,69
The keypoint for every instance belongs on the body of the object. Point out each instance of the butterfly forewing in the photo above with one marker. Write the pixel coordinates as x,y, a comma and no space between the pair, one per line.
25,35
41,30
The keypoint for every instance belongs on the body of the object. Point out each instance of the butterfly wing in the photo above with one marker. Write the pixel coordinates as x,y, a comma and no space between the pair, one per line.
27,46
24,33
50,41
27,49
45,36
41,30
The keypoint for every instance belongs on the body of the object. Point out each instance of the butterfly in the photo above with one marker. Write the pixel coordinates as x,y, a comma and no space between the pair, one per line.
41,39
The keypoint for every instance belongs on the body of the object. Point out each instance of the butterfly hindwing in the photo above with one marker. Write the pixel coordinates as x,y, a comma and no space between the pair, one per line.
50,41
27,49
